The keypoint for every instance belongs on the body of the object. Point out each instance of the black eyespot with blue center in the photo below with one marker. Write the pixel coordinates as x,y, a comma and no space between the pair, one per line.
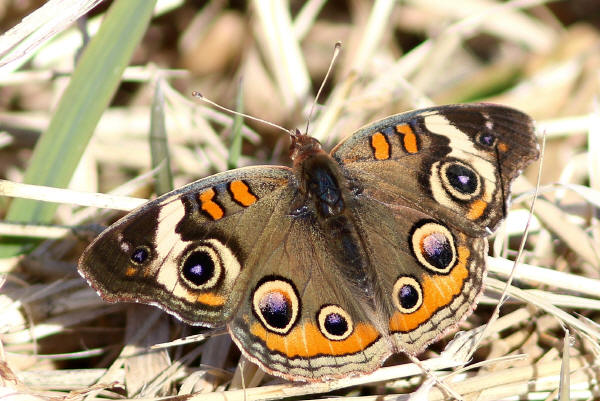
407,294
199,267
140,255
276,308
486,138
334,322
276,304
433,246
436,249
204,267
462,178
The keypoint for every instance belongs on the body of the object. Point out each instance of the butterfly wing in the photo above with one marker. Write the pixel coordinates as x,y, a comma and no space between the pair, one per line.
456,162
185,251
429,274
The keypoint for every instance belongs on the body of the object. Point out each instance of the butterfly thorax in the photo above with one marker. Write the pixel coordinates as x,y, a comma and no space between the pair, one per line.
321,181
318,176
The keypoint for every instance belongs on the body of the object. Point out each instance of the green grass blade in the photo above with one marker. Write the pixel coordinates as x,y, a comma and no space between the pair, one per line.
90,90
159,147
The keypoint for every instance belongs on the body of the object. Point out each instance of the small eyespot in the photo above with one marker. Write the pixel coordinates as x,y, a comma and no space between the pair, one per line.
140,255
407,294
433,246
276,303
486,138
460,180
334,322
199,267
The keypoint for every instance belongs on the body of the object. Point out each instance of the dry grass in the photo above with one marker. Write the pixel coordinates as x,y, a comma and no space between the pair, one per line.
58,340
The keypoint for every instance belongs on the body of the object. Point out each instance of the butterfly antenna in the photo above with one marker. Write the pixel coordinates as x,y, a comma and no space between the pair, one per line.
218,106
336,52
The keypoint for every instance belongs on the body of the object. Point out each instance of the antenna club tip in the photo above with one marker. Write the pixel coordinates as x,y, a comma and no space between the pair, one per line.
338,44
197,94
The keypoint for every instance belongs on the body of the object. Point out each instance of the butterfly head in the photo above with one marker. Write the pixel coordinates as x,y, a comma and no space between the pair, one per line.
303,146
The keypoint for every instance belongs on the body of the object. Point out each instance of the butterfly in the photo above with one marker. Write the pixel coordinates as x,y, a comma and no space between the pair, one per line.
324,269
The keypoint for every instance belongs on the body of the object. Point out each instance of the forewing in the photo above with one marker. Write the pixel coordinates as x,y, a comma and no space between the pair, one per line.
455,162
186,251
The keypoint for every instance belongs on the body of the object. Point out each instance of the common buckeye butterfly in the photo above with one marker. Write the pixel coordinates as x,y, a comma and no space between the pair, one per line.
324,269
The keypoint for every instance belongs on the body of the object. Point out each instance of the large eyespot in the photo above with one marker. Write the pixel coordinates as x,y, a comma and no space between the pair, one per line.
202,265
140,255
199,267
407,295
275,302
433,246
334,322
460,180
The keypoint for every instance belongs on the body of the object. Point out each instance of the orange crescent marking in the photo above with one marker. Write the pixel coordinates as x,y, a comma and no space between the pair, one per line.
438,292
380,146
306,341
409,139
502,147
211,299
209,206
476,210
241,193
131,271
